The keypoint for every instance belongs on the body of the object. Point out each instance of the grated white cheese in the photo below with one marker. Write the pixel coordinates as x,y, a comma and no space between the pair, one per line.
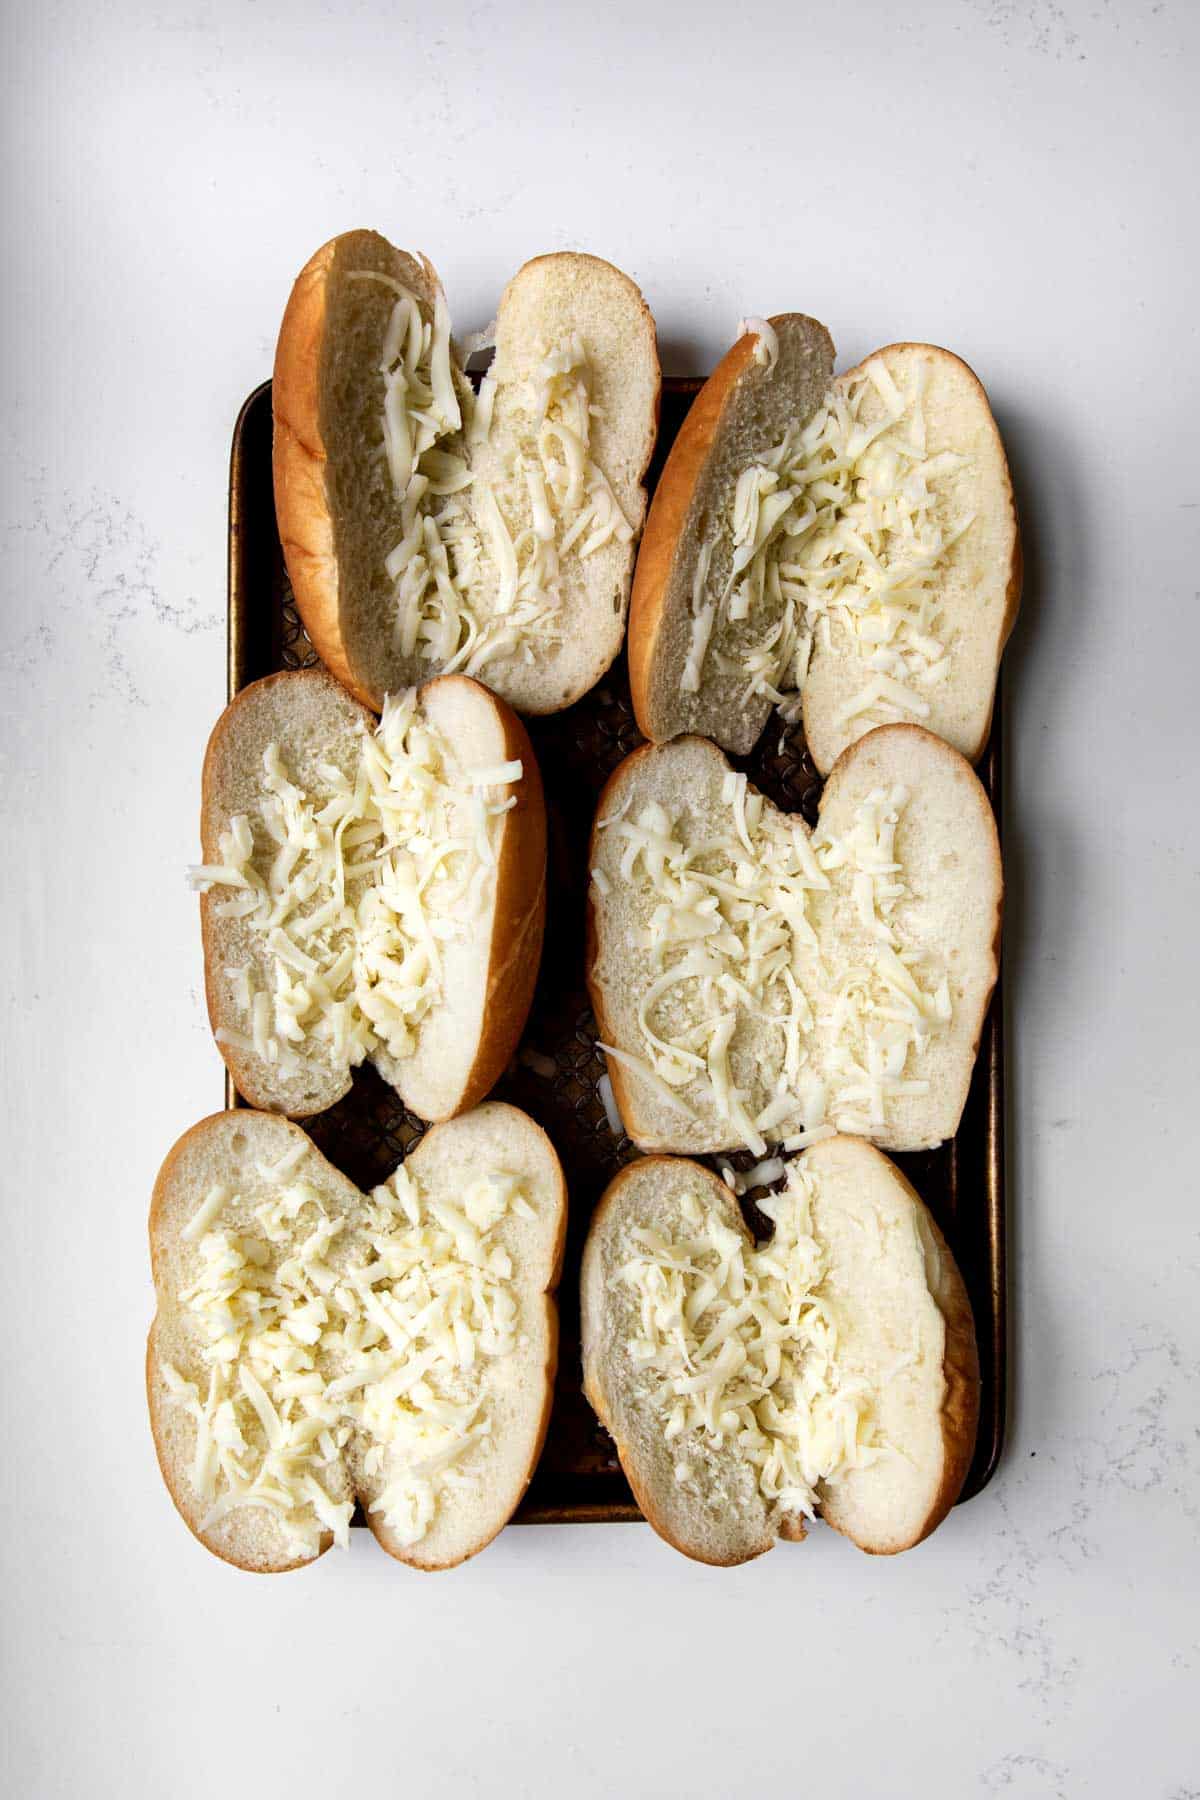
476,572
704,615
608,1100
357,884
747,927
841,529
883,1013
738,1346
207,1213
316,1336
766,350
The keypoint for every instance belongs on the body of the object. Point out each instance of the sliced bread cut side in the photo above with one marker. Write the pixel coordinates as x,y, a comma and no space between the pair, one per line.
852,540
718,1515
831,1371
429,968
678,636
278,1398
425,532
975,584
748,976
519,1387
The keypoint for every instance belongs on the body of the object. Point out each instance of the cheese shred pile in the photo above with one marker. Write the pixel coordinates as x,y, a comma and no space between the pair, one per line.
323,1340
477,569
836,535
352,888
740,1350
758,925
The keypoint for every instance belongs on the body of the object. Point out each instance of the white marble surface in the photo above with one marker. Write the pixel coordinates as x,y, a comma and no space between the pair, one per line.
1014,178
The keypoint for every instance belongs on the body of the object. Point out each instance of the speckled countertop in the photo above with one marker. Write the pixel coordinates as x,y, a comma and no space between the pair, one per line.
1012,178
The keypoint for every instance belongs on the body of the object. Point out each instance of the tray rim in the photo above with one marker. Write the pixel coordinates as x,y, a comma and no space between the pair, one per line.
991,1052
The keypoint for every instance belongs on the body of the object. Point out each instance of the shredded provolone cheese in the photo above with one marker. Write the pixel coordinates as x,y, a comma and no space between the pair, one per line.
766,351
320,1338
704,614
352,888
608,1100
839,530
739,937
737,1346
476,570
885,1010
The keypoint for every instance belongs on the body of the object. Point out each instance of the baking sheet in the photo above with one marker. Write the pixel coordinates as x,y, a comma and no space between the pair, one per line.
556,1073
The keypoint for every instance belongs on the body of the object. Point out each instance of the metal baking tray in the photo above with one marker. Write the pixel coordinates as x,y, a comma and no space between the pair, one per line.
555,1074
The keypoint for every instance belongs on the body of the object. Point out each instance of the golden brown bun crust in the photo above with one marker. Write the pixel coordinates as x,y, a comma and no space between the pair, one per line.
667,517
155,1401
593,1386
518,919
298,461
